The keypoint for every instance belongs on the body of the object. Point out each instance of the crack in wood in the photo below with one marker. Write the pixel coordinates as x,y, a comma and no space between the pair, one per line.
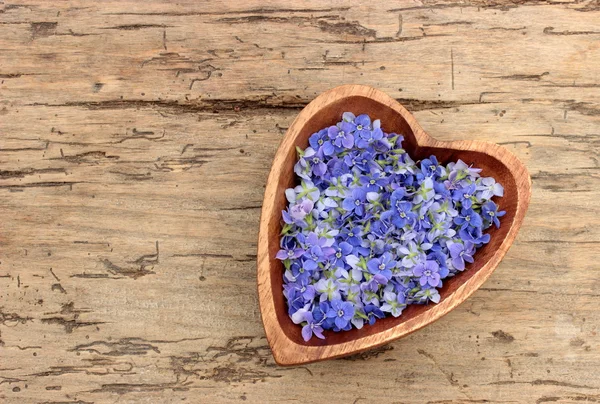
550,31
326,23
259,10
544,382
121,347
523,77
503,5
91,157
22,173
134,272
12,319
146,135
135,27
370,354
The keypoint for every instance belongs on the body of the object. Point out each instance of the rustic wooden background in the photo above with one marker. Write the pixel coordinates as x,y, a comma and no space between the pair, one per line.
135,142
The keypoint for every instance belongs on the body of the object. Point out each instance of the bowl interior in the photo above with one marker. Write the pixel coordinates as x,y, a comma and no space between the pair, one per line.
392,121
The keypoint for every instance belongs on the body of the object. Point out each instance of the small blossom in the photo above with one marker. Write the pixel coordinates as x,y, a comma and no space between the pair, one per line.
311,327
428,273
490,213
460,253
342,312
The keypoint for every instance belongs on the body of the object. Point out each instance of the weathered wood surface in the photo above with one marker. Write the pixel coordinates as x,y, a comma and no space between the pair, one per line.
135,142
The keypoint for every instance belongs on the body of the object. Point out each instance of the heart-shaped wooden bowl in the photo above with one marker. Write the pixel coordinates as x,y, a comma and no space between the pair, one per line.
283,335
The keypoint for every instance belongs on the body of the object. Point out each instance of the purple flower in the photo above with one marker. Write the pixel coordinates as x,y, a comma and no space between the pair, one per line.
355,202
314,160
374,182
490,213
311,327
340,138
465,195
381,267
488,188
360,126
430,167
289,253
440,258
342,312
320,141
460,253
428,273
368,137
365,162
299,211
373,312
468,219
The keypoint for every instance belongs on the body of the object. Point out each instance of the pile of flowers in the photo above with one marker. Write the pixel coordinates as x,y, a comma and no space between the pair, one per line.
369,231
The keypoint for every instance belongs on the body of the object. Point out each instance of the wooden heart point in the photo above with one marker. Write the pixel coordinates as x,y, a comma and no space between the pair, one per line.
284,336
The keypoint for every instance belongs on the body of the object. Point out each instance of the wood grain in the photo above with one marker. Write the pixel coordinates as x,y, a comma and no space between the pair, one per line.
130,213
284,337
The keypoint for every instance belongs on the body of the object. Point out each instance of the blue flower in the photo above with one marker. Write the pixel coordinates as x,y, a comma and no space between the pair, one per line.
465,195
320,141
341,252
340,138
364,162
355,202
490,213
430,167
368,137
311,327
428,273
289,253
382,267
361,126
374,182
468,219
460,253
314,160
402,213
373,312
303,271
474,235
342,312
352,235
306,290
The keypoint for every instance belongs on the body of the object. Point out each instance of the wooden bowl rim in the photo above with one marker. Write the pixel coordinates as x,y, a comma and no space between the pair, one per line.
286,351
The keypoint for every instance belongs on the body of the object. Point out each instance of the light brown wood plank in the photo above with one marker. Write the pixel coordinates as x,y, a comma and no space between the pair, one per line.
125,126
